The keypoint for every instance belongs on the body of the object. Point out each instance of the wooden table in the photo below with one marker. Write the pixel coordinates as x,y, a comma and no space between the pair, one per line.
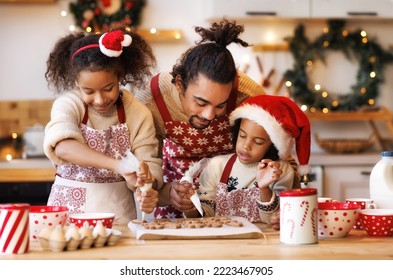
356,246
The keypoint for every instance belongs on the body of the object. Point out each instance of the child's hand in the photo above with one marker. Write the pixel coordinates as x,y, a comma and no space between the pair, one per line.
268,171
127,171
148,199
180,194
143,175
275,220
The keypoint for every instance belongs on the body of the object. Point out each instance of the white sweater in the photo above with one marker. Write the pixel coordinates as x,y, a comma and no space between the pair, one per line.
245,176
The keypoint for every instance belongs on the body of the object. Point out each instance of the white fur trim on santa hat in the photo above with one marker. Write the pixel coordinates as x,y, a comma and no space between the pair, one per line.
280,138
304,169
114,53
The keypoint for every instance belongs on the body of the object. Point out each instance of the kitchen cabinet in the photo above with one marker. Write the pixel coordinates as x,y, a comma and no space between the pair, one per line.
345,175
341,182
258,8
351,9
302,9
26,180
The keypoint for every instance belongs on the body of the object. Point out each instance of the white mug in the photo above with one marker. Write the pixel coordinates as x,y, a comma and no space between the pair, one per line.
365,203
325,199
298,216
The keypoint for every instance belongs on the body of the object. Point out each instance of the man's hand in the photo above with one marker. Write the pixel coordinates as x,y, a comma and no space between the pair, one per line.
180,194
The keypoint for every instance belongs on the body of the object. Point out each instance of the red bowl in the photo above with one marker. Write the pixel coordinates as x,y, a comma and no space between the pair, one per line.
330,205
41,217
92,218
377,222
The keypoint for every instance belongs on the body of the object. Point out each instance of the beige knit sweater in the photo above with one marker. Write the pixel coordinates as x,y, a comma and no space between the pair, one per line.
66,116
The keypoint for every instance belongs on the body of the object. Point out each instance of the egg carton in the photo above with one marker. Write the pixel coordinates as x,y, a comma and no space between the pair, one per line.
72,238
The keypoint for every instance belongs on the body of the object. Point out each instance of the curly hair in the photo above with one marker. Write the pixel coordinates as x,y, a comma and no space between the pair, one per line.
135,64
210,56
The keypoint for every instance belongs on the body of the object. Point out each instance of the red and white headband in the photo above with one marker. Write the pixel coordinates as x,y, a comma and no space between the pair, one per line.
111,44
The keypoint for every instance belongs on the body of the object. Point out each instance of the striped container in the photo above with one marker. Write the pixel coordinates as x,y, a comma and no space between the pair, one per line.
14,228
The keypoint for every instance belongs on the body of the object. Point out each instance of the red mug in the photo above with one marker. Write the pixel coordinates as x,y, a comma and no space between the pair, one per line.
365,203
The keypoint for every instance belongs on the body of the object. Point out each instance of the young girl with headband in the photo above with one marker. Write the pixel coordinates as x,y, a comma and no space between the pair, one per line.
95,124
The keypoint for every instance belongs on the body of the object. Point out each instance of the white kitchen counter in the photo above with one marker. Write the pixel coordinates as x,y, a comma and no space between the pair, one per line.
27,163
27,170
326,159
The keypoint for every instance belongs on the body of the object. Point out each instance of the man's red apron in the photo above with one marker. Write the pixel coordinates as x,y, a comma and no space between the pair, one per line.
90,189
185,145
242,203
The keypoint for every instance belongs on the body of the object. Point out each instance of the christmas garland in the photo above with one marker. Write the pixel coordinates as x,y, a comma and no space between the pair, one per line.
105,15
355,45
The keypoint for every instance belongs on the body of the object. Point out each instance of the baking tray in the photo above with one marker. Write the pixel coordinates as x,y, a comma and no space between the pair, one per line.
247,231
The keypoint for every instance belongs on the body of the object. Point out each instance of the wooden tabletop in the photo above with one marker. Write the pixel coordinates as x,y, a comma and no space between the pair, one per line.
356,246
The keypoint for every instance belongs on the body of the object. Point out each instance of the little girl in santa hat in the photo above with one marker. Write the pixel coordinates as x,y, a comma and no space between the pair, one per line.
247,183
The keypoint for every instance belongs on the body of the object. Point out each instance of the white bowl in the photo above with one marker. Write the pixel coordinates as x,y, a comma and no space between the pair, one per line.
336,219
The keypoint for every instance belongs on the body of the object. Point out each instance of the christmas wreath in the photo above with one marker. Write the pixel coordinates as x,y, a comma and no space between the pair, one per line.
355,45
105,15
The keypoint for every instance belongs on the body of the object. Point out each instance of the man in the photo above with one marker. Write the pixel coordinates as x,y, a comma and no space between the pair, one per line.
190,107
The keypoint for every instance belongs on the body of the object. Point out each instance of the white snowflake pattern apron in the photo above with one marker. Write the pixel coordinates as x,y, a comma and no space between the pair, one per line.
239,202
88,189
185,145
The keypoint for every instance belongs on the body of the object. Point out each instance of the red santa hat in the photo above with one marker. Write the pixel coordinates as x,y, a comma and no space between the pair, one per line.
112,43
285,123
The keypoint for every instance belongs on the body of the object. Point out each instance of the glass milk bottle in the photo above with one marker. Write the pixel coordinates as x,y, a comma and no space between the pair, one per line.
381,181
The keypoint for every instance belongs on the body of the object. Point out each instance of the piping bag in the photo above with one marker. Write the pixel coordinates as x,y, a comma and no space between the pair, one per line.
134,164
189,177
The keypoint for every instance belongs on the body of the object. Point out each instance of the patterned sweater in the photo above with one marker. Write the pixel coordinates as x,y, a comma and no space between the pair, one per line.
68,111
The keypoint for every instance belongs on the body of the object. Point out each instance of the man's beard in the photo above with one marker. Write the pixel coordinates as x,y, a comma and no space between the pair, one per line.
198,126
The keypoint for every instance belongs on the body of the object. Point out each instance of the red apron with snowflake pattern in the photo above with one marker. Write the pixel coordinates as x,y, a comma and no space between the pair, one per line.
185,145
239,202
89,189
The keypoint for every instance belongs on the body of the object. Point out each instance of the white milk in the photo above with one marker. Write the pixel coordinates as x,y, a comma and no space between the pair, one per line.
381,181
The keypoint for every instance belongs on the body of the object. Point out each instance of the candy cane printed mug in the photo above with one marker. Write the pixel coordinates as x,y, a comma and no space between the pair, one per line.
298,216
365,203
